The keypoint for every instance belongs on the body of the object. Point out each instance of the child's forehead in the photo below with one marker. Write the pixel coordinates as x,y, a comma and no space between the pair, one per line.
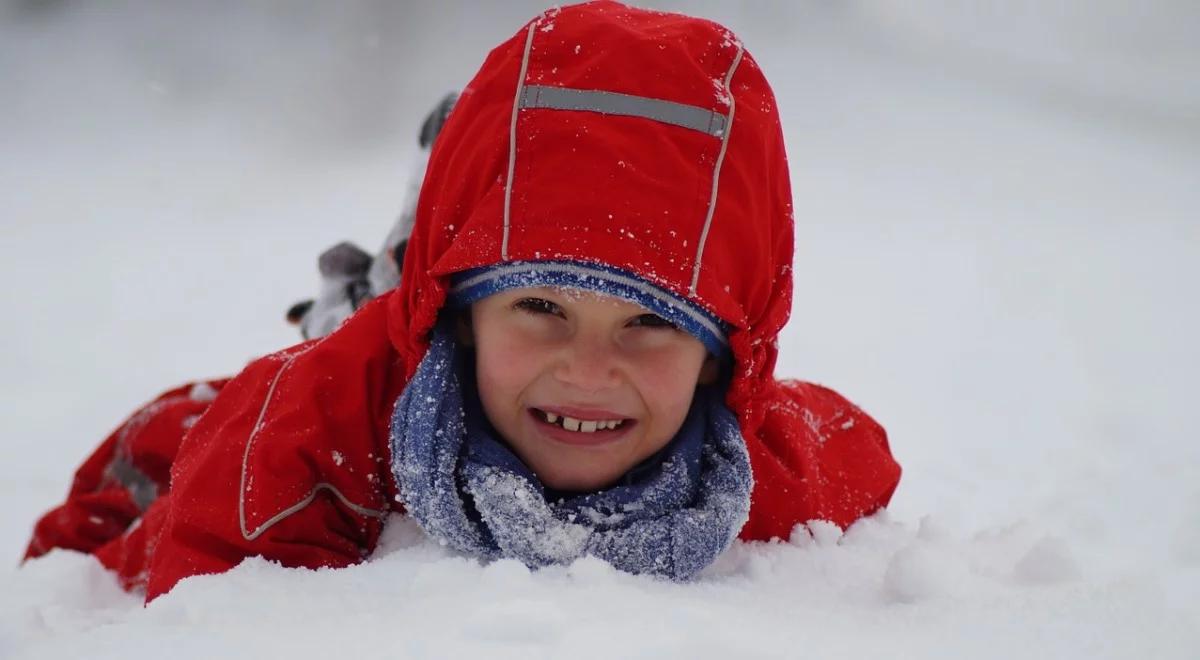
573,295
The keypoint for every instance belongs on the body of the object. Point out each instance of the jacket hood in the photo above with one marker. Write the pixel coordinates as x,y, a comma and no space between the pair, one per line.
638,140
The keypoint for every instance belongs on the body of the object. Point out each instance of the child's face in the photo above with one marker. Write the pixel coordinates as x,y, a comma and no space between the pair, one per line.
586,361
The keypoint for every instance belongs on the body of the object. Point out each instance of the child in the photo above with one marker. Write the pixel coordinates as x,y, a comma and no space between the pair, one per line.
579,356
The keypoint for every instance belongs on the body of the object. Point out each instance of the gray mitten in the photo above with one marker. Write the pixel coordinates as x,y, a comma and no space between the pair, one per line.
344,288
350,276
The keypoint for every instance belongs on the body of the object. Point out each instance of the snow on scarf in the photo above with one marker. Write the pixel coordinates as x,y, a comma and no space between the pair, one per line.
670,516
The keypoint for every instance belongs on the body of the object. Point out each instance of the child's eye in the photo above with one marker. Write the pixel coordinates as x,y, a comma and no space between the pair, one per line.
538,306
652,321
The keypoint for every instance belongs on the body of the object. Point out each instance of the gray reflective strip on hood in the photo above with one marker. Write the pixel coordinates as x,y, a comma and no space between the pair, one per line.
716,179
512,140
614,103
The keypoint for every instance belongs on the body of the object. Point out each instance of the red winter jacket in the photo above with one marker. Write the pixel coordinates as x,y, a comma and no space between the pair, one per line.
642,140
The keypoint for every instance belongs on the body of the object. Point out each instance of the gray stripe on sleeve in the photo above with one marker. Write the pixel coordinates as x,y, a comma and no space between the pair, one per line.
142,489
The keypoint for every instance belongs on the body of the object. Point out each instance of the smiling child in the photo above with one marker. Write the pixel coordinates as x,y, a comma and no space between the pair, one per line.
582,387
579,357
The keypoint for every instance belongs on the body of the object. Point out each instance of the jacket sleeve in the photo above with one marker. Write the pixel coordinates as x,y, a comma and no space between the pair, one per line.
289,464
124,475
816,456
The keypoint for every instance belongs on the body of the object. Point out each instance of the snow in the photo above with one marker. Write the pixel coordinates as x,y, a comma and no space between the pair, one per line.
997,253
202,392
883,587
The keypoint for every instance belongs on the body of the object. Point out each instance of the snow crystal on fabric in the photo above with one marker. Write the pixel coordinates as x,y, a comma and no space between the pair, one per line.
671,516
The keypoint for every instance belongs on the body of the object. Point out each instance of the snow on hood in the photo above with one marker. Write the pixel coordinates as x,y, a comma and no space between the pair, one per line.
670,165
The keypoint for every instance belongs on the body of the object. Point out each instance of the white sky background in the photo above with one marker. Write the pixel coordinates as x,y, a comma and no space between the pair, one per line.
998,226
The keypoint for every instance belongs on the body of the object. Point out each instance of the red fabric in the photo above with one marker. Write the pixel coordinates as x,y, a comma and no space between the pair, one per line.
291,462
99,507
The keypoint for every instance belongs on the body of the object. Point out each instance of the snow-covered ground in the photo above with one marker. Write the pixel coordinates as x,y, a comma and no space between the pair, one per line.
998,256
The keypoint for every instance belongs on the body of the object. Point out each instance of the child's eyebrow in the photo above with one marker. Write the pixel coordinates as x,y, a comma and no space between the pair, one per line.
574,295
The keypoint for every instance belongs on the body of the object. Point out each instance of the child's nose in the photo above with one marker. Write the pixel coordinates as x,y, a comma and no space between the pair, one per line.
589,364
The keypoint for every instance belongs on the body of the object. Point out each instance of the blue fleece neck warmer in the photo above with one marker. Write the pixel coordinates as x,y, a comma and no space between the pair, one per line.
670,516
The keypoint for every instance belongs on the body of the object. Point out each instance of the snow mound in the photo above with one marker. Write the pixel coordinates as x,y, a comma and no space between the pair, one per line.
883,587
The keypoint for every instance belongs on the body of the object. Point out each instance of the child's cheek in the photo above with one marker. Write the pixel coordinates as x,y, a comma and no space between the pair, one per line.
508,363
669,376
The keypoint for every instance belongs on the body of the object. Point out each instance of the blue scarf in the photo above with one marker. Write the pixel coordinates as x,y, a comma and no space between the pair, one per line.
670,516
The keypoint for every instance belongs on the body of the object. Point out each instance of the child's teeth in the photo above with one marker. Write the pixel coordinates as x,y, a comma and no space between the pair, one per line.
589,426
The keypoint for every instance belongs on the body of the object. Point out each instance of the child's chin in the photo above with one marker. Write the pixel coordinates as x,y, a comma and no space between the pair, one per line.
576,476
574,466
578,483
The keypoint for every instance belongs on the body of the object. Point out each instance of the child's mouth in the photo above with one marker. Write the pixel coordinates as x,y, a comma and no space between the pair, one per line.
580,426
